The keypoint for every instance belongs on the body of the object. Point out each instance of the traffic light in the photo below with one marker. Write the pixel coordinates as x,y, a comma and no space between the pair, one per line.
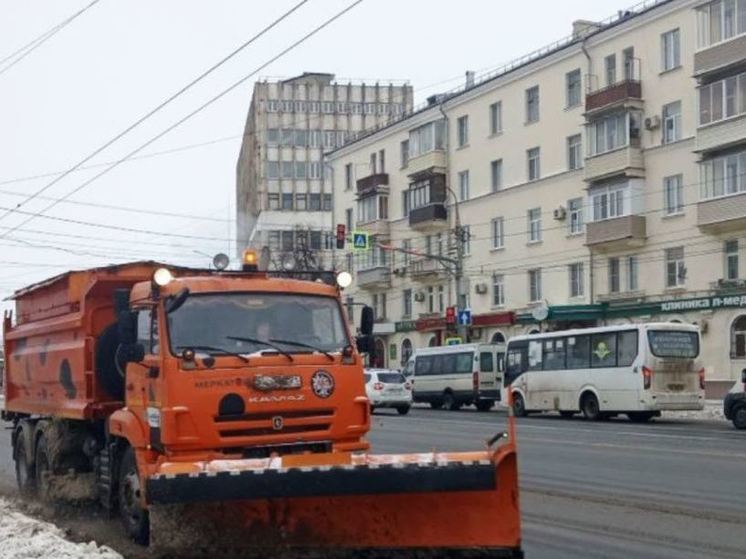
341,236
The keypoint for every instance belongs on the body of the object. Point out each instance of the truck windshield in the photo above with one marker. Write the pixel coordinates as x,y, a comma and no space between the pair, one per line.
304,323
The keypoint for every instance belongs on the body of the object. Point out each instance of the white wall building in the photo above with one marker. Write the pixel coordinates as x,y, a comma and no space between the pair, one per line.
604,178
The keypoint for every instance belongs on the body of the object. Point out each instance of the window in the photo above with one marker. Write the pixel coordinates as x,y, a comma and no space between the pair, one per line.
406,246
610,69
379,306
288,170
626,348
575,209
287,201
286,240
670,50
738,338
498,233
301,170
463,131
731,259
611,132
463,185
314,203
533,157
614,279
719,21
608,202
576,280
496,174
496,118
273,201
673,195
382,161
723,175
327,107
628,59
431,299
722,99
367,209
373,165
573,88
404,153
273,169
554,354
273,106
287,106
534,285
327,205
313,106
441,299
534,225
348,220
532,104
578,352
603,350
675,268
407,302
632,273
671,122
300,202
406,351
273,136
498,290
574,152
273,240
486,362
426,138
314,171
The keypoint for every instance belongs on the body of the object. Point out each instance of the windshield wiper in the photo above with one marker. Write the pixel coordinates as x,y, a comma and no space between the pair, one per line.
262,342
213,349
301,344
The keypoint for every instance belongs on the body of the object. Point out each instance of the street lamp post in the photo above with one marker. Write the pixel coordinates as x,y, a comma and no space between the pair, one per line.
459,233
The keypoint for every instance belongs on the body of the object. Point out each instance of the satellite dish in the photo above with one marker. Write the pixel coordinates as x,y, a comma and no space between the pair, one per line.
221,261
540,312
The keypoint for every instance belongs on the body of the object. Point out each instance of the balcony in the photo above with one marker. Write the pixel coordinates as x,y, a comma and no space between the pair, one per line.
724,214
430,162
628,231
626,93
721,134
627,161
372,182
425,268
431,217
376,227
374,278
720,57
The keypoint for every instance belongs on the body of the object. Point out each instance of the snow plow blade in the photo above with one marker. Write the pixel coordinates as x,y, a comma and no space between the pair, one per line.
414,505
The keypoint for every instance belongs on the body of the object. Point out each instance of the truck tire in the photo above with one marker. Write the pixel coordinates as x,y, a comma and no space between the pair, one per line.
134,517
25,475
739,417
42,468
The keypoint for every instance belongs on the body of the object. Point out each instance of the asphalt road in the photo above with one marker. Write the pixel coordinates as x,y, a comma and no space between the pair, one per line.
671,488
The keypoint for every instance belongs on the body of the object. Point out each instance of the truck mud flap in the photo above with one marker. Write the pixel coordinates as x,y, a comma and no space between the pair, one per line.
320,482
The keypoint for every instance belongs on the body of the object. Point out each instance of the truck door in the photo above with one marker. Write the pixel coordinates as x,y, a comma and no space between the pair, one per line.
143,380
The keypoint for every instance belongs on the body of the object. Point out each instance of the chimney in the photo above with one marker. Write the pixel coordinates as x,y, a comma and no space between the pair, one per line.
470,75
583,27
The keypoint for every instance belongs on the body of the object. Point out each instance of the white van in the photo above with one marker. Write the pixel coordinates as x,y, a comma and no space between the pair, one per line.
458,375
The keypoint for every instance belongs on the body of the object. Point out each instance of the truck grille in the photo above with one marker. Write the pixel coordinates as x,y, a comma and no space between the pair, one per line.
265,423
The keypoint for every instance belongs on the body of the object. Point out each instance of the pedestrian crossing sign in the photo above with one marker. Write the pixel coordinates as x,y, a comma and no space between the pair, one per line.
360,240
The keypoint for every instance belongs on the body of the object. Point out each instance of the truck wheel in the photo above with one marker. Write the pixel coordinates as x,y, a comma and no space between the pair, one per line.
402,410
43,468
485,405
519,406
134,517
590,407
449,402
25,475
739,418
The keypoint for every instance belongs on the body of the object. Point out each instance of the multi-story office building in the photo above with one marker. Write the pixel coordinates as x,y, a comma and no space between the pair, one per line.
602,179
282,204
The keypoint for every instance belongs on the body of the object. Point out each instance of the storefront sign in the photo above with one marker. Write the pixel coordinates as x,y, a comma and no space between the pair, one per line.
737,300
405,326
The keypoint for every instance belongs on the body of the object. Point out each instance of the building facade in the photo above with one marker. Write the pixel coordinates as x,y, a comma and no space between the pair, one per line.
599,181
282,204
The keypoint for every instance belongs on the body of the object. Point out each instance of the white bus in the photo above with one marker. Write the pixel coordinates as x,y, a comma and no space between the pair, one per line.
459,375
635,369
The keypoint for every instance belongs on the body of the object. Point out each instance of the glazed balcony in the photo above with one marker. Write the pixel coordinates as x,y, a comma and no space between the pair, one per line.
627,161
373,182
430,217
719,57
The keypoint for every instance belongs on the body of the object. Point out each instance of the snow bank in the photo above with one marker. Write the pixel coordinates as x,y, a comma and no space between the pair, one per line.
23,537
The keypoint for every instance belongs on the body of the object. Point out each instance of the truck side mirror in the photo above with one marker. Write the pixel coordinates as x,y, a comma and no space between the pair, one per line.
366,321
127,327
364,344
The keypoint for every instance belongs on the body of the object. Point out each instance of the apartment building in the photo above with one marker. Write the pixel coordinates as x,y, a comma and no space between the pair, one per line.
282,205
601,180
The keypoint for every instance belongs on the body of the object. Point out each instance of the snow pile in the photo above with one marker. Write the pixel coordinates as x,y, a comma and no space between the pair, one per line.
23,537
713,410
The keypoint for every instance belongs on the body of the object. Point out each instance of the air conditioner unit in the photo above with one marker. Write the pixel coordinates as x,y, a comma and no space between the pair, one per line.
559,213
419,296
481,288
652,122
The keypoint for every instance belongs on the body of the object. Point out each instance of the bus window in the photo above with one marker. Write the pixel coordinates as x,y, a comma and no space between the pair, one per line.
437,366
603,350
423,366
485,362
627,348
554,354
578,352
517,362
463,362
534,355
674,343
449,364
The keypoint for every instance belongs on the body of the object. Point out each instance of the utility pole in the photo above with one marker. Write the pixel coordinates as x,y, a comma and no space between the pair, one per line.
460,235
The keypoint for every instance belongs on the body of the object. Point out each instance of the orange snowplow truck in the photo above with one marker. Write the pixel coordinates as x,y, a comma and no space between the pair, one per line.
220,410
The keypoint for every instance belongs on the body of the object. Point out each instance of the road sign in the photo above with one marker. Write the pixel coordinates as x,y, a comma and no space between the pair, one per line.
360,240
450,315
453,341
464,317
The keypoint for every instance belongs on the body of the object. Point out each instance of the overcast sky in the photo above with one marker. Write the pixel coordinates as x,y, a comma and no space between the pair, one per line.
121,58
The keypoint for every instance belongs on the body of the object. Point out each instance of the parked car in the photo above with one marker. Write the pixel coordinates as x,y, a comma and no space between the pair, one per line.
387,388
734,405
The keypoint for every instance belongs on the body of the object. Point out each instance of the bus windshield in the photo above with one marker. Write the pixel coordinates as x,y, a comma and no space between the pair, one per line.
295,323
674,343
